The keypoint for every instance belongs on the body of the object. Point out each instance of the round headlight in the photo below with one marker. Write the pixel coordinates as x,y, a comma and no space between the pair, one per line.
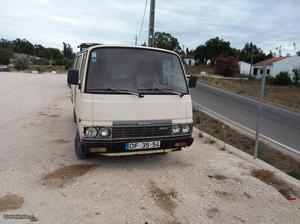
91,132
104,132
186,128
176,129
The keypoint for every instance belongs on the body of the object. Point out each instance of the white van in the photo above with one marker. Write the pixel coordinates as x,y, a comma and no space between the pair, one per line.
130,100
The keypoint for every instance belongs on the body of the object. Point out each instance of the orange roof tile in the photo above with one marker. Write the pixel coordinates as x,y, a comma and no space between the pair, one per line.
270,61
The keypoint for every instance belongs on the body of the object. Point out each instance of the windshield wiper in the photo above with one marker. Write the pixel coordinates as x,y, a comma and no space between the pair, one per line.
165,90
140,95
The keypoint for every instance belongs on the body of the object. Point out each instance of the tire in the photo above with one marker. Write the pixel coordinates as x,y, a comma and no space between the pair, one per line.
74,117
80,151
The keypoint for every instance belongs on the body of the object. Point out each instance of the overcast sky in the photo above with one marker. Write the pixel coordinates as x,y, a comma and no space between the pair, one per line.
267,23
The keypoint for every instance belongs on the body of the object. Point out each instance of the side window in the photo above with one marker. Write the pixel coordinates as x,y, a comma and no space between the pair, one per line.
78,64
82,68
75,62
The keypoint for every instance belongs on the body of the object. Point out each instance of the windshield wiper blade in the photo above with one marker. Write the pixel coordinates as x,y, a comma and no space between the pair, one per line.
166,91
140,95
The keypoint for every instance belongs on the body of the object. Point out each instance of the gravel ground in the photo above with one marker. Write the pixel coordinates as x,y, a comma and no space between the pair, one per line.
41,176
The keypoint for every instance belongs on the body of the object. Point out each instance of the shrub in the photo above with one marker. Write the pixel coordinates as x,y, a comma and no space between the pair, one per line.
22,64
40,69
269,79
282,79
296,77
41,61
227,66
5,55
67,63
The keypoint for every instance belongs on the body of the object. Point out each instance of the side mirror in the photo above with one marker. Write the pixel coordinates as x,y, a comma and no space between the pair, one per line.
73,77
192,81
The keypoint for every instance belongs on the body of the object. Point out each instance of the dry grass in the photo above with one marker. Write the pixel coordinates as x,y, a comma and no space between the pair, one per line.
268,177
10,202
286,96
266,153
192,70
271,179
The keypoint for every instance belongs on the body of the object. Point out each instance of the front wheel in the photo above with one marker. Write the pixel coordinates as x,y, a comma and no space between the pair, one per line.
81,151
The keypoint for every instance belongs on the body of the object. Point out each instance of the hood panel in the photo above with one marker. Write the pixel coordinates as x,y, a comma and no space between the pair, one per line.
130,107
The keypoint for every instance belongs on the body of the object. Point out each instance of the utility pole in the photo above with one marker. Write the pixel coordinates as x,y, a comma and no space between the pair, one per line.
262,92
251,65
135,43
151,24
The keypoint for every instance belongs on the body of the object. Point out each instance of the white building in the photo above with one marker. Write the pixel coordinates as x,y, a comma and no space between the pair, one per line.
244,68
189,60
277,65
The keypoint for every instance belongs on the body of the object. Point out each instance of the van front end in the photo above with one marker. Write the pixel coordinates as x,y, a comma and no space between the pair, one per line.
151,124
136,137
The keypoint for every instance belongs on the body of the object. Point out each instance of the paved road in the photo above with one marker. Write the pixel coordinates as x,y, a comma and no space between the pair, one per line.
278,124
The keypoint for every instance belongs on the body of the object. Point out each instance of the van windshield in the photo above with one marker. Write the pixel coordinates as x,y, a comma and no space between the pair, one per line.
135,70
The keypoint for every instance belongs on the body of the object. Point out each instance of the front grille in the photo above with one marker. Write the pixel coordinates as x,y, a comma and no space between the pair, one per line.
142,131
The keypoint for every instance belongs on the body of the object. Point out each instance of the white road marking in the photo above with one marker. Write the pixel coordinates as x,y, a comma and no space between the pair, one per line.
231,122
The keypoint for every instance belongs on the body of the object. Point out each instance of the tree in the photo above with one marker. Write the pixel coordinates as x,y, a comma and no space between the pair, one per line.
212,49
166,41
200,54
68,51
251,50
216,47
227,66
23,46
187,51
39,51
5,55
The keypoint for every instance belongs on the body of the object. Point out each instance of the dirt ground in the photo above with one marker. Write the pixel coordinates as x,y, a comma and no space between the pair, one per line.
41,177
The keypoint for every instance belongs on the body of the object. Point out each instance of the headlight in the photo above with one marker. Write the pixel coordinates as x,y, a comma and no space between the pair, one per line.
176,129
91,132
104,132
186,128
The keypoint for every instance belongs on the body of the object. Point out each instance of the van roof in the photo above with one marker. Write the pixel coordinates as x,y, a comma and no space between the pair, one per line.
127,46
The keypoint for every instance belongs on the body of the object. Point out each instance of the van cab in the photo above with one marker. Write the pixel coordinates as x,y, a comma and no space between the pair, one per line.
130,100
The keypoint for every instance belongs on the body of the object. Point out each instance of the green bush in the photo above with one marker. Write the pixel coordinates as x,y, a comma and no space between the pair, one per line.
40,69
269,79
41,61
67,63
282,79
5,55
296,77
22,64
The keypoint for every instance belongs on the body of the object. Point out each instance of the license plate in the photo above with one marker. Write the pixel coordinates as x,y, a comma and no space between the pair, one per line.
142,145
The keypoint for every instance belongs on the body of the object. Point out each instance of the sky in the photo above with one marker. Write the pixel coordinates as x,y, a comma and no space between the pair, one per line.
266,23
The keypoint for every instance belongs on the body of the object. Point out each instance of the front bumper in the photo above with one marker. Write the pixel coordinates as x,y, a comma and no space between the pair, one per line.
118,146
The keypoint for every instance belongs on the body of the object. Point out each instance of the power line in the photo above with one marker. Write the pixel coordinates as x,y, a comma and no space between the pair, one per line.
146,3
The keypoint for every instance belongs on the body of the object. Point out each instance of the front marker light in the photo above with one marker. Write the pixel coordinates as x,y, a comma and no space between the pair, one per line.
91,132
176,129
186,128
104,132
